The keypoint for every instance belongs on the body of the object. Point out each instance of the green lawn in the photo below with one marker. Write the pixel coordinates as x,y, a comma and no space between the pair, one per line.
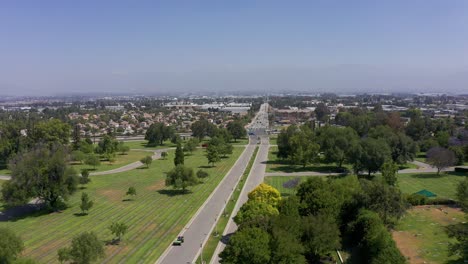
120,160
443,185
5,172
155,216
421,237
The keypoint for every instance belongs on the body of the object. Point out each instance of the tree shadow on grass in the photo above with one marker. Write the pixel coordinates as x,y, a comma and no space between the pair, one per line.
127,200
16,213
80,214
173,192
428,176
205,167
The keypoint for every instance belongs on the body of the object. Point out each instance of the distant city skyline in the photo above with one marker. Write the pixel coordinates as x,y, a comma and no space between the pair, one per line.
59,47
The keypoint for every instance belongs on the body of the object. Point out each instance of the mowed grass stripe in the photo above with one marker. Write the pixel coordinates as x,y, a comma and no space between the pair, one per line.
43,235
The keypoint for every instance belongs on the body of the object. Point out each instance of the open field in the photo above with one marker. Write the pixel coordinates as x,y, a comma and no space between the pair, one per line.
421,156
120,160
155,216
420,235
273,140
444,185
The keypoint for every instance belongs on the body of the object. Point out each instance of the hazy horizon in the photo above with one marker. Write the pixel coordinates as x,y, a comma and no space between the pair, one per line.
58,47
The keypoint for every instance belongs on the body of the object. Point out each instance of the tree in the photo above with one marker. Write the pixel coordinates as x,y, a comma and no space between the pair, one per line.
370,155
147,161
236,129
164,154
336,143
42,173
462,194
157,133
249,245
84,179
254,212
383,199
86,203
201,174
375,244
440,158
92,160
303,150
76,137
285,244
107,145
321,235
191,145
78,156
460,247
322,112
10,245
202,128
225,149
131,191
389,171
122,148
118,229
265,193
402,147
85,248
179,155
51,132
212,154
181,177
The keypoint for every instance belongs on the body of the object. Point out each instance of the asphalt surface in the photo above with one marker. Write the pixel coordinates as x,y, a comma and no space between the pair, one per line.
198,230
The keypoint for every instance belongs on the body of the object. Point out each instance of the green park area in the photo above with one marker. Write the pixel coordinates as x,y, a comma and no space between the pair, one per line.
120,160
420,235
443,185
154,216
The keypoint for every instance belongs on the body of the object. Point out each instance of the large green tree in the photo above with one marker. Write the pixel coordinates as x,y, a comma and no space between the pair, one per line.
249,245
85,248
181,177
179,155
336,143
10,246
42,173
157,133
321,235
370,155
237,130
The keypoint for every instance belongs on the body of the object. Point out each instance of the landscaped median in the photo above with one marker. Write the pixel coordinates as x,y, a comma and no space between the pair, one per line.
211,244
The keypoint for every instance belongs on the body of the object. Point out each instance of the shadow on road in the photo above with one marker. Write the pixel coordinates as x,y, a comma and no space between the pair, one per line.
225,238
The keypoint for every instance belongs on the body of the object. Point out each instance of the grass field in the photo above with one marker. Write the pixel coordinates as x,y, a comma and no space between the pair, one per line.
420,234
444,185
120,160
273,140
421,156
155,216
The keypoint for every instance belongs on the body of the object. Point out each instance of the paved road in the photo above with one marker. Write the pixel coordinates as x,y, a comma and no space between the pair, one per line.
198,230
255,178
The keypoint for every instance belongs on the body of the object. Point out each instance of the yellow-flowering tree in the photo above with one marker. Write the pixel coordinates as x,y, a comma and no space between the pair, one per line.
266,194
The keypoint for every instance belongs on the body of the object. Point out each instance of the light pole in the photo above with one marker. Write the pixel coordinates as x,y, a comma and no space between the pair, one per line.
201,253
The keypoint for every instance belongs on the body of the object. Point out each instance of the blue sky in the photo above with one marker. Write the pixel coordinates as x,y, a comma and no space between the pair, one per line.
49,47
